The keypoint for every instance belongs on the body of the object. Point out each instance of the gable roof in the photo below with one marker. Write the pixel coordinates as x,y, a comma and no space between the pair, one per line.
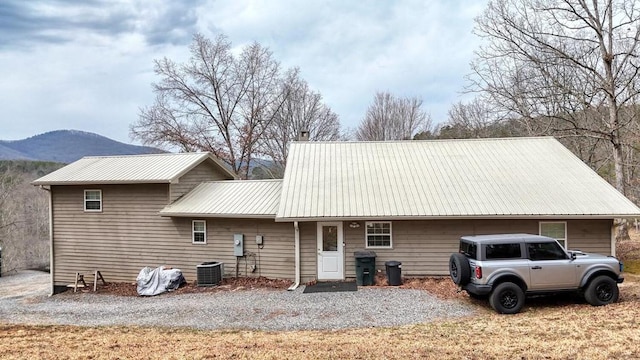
508,178
241,198
130,169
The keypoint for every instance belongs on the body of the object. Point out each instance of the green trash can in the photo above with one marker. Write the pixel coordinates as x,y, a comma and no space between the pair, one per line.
365,267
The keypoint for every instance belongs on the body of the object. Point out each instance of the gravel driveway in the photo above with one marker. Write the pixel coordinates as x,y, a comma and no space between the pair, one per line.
23,299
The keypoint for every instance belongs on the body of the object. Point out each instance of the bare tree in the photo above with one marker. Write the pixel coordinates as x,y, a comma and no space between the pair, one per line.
564,67
474,117
24,221
393,118
302,109
215,102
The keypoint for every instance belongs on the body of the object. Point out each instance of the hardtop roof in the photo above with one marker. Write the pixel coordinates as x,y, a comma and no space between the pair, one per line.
506,238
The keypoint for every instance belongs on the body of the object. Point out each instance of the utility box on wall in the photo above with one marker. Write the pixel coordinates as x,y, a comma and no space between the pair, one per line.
238,244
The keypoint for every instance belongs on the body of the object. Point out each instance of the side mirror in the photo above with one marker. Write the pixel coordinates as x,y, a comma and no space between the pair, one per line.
573,255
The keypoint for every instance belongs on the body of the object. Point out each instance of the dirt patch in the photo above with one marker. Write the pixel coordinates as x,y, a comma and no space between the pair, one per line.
442,287
227,284
25,284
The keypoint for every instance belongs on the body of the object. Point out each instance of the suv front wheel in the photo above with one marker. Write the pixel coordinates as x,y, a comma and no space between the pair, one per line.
602,290
507,298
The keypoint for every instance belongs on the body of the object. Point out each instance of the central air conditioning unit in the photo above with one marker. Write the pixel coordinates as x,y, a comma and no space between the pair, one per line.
210,273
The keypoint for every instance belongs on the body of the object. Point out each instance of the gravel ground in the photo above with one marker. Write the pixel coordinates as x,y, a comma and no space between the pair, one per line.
23,299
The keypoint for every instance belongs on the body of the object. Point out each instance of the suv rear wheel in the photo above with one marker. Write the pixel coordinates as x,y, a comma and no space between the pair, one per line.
459,269
602,290
507,298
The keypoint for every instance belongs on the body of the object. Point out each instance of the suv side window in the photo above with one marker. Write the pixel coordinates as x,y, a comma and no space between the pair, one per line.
545,251
503,251
470,250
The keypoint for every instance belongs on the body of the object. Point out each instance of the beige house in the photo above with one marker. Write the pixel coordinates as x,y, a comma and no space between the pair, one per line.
407,200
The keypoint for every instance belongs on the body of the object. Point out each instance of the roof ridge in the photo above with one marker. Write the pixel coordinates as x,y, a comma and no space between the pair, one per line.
517,138
242,181
145,155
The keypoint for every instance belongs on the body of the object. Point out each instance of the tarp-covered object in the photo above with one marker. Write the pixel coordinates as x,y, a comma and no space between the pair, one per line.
156,281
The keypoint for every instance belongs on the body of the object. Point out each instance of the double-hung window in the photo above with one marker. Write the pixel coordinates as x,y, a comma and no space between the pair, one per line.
199,231
378,234
93,200
556,230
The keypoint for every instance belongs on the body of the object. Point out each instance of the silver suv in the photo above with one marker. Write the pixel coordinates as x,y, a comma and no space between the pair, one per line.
506,267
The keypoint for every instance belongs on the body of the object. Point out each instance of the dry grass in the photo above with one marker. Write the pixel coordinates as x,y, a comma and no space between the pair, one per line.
548,328
629,252
543,331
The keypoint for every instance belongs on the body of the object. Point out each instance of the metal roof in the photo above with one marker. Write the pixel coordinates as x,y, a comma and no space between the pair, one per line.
241,198
504,178
129,169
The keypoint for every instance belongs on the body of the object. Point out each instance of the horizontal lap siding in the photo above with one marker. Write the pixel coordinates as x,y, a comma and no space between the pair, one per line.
592,236
129,235
424,247
308,251
274,260
201,173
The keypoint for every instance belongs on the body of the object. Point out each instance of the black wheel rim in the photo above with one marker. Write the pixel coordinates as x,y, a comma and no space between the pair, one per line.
604,292
508,299
454,270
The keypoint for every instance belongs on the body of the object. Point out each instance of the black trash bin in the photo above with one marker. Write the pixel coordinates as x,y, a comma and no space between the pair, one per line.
394,272
365,267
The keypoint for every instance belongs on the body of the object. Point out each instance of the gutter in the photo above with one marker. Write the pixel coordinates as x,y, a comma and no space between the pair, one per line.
297,256
51,261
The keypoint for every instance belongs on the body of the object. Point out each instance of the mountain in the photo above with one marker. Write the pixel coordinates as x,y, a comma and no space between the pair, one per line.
67,146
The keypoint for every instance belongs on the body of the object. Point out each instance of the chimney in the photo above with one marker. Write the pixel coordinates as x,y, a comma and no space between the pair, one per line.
304,135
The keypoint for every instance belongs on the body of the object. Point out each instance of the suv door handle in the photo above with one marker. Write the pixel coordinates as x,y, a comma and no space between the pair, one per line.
536,268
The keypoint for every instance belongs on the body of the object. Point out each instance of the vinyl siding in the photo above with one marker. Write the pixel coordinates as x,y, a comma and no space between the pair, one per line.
308,252
201,173
129,235
424,247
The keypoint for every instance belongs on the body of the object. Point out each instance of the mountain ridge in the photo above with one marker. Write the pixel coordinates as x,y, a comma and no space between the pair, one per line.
66,146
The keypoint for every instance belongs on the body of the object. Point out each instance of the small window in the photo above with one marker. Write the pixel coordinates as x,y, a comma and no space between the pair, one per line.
379,234
93,200
468,249
503,251
545,251
199,231
555,230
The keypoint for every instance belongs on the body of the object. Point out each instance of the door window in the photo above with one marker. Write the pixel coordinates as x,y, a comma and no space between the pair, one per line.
329,238
545,251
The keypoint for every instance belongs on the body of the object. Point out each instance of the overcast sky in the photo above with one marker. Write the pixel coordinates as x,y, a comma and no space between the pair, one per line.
88,65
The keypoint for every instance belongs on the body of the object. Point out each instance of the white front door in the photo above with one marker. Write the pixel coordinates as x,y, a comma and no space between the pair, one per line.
330,251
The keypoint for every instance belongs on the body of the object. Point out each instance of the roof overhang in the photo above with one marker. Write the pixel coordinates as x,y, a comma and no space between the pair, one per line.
465,217
205,215
96,183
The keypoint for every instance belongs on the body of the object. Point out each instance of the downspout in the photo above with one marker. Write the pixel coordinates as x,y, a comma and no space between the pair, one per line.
297,256
51,267
613,238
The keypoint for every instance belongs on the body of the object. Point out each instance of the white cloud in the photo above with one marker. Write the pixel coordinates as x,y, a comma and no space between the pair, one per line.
93,71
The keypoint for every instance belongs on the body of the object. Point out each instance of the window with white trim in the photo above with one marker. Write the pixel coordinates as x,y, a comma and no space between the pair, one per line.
378,234
199,231
93,200
556,230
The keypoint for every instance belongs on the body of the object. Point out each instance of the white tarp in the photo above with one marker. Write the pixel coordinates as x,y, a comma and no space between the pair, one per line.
156,281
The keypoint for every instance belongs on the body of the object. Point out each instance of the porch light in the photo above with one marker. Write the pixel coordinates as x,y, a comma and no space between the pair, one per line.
354,225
